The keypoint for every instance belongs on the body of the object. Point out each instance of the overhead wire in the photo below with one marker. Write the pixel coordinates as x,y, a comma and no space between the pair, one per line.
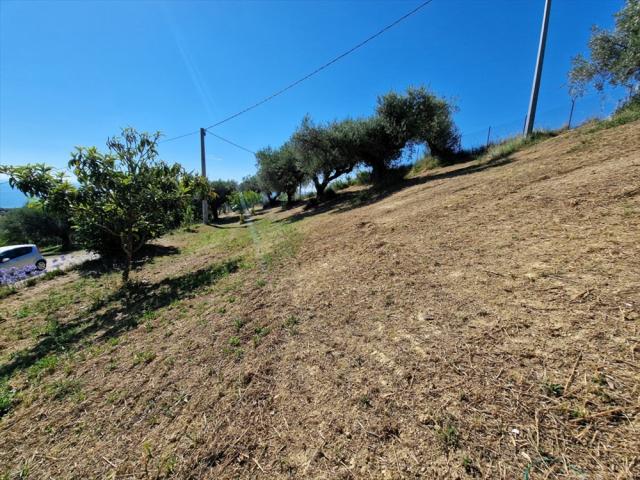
178,137
310,74
324,66
230,142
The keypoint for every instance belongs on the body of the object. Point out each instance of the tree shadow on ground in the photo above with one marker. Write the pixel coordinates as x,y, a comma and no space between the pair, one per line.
226,219
230,227
346,201
116,313
98,267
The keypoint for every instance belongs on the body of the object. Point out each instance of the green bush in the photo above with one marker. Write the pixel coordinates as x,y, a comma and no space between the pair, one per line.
30,224
342,183
363,177
428,162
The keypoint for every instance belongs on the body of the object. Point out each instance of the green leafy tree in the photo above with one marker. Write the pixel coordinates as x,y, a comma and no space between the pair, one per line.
250,182
242,202
200,189
253,188
378,146
29,224
126,196
252,199
221,190
420,117
279,170
54,192
266,187
614,55
324,151
416,117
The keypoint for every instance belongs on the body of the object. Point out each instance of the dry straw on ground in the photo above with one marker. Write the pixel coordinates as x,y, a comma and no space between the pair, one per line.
481,322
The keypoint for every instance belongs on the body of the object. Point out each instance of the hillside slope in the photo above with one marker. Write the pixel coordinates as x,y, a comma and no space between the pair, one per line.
483,321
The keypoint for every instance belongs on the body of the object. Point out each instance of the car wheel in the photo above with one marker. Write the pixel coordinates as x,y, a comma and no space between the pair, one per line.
41,264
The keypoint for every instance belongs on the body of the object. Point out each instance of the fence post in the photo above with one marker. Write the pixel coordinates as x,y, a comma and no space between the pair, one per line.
573,103
488,136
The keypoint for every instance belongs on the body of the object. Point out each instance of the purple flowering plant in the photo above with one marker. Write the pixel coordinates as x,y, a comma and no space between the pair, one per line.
13,275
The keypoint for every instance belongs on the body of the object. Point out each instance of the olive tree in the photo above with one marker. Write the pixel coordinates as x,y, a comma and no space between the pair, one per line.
324,152
377,145
126,196
614,55
222,190
279,170
419,116
250,182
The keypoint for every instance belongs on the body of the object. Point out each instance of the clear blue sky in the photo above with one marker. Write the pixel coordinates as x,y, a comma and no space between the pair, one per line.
73,73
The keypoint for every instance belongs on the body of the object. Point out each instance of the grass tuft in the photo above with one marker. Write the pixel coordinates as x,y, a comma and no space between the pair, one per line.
65,388
7,396
145,356
449,437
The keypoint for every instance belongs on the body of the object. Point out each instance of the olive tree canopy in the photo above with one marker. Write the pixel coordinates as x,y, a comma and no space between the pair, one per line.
614,55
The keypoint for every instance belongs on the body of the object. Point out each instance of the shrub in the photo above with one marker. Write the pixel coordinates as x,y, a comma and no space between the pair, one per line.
342,183
242,201
363,177
31,224
54,194
428,162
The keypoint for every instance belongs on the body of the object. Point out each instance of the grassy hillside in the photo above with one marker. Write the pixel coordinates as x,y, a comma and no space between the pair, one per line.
482,320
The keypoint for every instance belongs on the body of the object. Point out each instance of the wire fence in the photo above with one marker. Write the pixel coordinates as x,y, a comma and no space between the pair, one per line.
585,108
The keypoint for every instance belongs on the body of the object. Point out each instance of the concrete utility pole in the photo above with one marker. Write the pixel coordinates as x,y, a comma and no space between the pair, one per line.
531,117
203,160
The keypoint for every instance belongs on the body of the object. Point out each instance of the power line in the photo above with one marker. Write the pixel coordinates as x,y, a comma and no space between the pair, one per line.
179,136
300,80
322,67
231,143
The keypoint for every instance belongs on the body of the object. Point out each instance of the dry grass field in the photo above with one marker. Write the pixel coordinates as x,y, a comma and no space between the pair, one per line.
480,321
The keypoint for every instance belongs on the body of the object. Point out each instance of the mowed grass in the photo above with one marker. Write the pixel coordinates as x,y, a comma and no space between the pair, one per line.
420,333
48,331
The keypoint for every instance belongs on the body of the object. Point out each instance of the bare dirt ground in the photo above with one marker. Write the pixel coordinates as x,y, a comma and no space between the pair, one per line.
483,321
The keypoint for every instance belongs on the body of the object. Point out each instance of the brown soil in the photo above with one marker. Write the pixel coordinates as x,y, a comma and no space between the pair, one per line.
483,321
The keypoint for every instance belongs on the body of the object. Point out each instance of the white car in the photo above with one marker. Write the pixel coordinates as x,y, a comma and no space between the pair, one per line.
18,256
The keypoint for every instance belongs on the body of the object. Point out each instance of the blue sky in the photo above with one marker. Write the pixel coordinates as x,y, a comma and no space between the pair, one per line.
73,73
